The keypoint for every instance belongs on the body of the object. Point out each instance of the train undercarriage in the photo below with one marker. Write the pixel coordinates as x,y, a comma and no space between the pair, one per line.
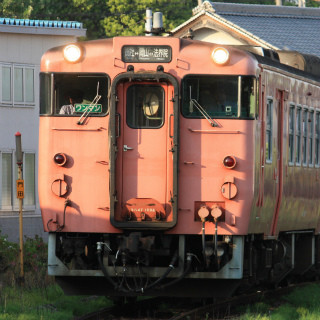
137,263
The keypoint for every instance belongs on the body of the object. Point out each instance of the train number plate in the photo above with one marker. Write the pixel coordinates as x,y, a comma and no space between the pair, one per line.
146,53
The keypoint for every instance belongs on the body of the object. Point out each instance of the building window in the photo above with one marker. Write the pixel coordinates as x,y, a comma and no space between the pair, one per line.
269,131
310,131
291,134
6,194
298,136
6,84
17,85
9,175
29,179
317,139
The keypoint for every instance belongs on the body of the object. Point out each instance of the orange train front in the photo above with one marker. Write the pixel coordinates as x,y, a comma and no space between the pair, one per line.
177,167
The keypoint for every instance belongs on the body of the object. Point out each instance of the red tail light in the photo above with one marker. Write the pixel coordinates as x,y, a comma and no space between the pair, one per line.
60,159
229,162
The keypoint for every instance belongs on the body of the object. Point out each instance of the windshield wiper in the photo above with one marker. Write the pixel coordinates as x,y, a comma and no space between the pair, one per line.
90,107
204,112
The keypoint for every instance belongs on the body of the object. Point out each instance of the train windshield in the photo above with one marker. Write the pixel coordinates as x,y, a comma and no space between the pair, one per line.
71,94
219,96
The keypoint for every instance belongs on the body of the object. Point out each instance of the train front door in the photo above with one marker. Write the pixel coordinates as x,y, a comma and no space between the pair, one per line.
145,176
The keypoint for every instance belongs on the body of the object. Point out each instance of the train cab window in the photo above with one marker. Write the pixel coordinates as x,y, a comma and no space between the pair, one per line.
72,94
219,96
145,106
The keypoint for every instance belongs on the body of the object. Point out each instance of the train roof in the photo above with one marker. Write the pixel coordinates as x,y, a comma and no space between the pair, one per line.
300,64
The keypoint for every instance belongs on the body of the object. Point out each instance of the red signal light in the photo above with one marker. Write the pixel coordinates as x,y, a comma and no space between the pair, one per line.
229,162
60,159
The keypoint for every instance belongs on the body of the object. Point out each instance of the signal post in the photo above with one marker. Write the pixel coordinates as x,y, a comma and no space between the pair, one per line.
20,196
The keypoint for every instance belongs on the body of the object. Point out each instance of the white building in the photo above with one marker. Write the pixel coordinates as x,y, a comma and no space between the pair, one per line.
22,44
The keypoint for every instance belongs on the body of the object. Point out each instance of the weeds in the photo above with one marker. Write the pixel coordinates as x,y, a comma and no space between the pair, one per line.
39,298
301,304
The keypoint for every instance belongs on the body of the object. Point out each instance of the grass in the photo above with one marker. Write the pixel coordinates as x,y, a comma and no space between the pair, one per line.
39,298
17,303
301,304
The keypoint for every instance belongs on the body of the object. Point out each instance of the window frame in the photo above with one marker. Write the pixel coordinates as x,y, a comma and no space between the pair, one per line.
305,136
14,206
269,128
25,88
317,139
298,131
239,98
163,108
291,133
311,158
52,99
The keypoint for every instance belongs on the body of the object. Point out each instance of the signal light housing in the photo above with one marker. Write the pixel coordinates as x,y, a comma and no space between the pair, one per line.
60,159
229,162
220,55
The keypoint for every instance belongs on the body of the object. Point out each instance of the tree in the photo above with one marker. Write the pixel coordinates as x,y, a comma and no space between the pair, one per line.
108,18
127,17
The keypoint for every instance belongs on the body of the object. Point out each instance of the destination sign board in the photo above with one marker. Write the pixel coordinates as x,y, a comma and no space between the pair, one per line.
87,107
146,54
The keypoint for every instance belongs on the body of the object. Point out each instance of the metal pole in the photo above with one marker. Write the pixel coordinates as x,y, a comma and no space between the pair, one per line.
20,196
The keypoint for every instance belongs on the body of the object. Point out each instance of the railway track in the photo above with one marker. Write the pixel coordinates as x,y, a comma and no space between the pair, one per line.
182,309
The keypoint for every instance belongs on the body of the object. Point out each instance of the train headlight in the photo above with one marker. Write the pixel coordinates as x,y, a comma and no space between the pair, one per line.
72,53
220,55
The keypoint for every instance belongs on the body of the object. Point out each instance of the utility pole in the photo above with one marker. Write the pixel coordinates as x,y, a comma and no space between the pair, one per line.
20,196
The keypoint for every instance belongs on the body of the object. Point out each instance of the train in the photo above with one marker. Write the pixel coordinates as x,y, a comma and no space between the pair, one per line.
177,167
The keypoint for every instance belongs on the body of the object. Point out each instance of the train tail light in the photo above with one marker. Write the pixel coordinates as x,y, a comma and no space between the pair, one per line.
229,162
72,53
60,159
220,55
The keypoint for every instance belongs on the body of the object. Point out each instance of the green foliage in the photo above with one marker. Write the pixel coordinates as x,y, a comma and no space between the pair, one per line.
38,297
127,17
108,18
302,304
8,254
306,297
20,303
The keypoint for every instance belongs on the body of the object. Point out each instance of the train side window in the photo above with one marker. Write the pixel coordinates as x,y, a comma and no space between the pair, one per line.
317,140
291,134
311,136
305,137
72,94
269,130
298,136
